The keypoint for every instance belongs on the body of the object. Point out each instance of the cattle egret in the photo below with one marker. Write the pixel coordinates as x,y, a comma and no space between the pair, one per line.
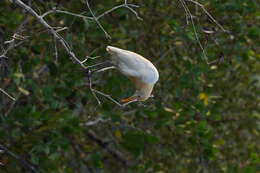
138,69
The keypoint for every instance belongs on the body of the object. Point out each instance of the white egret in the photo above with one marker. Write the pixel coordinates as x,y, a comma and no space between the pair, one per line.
138,69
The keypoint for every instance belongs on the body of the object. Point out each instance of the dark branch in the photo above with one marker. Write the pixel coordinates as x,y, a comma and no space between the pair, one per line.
104,144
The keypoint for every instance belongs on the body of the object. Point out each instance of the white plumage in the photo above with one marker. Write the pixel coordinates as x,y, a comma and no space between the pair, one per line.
140,70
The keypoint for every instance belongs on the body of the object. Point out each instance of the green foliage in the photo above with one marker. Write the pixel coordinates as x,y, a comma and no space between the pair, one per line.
203,117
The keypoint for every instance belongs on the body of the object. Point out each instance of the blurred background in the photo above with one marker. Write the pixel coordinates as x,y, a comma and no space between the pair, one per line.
204,116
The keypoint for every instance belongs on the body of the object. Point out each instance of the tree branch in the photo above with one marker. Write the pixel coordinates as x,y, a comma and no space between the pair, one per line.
190,16
66,46
51,30
8,95
104,144
125,5
98,23
209,15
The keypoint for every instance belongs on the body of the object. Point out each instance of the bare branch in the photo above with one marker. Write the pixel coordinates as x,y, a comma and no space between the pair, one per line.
12,44
90,86
104,144
125,5
133,11
8,95
109,97
98,23
109,11
66,12
94,91
95,65
190,16
10,108
50,29
209,15
104,69
16,36
66,45
59,29
113,100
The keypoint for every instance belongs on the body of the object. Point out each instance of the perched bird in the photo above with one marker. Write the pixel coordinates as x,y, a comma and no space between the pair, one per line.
139,70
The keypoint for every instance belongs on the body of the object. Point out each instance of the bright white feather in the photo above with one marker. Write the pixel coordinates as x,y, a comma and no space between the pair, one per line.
134,65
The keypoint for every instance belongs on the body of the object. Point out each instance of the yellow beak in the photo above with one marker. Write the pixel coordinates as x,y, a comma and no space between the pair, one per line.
130,99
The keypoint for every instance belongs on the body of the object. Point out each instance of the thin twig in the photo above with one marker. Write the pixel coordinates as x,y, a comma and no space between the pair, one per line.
66,12
8,95
51,30
98,23
16,36
98,64
90,86
104,69
194,30
133,11
125,5
10,108
188,13
209,15
94,91
109,11
59,29
109,97
66,45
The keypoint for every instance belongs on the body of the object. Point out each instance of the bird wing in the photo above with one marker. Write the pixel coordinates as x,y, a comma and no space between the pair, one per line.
134,65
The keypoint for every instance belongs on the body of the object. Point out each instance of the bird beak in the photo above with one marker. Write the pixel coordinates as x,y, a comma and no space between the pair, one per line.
130,99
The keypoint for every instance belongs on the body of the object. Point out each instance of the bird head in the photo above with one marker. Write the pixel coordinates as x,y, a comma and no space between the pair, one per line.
140,94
